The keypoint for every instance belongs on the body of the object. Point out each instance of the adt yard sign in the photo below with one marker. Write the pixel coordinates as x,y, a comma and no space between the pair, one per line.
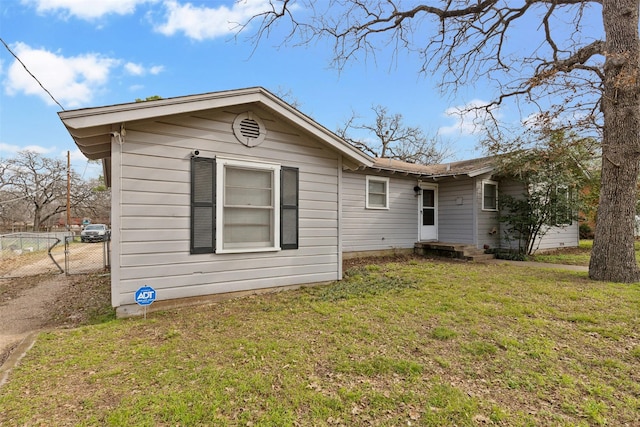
145,295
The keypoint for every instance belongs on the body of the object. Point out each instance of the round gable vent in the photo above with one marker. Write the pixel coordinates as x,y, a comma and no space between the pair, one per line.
249,129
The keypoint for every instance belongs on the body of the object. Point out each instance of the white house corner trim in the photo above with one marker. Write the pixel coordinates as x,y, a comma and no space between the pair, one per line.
116,215
477,184
340,194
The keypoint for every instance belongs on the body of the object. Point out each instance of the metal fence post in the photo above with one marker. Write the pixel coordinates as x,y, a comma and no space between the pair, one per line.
66,254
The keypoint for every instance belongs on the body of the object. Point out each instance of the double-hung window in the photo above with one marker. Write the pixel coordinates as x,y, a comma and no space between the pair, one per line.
563,214
377,194
243,206
489,195
247,217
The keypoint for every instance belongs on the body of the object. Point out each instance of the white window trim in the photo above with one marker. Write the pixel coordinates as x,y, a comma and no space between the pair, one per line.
567,194
494,183
386,186
221,163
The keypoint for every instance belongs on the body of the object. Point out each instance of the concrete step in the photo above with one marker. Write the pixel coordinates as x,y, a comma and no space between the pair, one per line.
468,251
441,246
452,250
481,257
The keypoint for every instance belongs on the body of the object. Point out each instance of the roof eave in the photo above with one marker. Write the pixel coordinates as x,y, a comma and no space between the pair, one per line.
91,127
482,171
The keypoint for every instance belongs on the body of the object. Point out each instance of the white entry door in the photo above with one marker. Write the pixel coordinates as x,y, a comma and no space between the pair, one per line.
429,212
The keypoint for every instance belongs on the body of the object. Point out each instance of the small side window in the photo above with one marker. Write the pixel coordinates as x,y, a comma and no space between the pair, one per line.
377,195
563,214
489,196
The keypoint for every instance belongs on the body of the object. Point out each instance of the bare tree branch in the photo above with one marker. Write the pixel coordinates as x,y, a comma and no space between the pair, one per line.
393,139
37,189
573,78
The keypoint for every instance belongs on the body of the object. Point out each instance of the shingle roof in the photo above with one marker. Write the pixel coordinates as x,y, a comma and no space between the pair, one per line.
471,168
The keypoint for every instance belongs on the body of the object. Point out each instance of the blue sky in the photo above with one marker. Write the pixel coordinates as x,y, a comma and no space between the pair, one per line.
104,52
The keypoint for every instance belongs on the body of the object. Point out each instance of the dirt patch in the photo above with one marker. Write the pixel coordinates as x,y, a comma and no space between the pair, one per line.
36,303
12,288
86,300
34,296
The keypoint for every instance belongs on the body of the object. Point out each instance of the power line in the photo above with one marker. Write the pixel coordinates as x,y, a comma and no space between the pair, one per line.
30,73
4,202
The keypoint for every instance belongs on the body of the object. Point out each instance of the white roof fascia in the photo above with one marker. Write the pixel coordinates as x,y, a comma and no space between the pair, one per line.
401,171
315,129
82,123
482,171
101,116
472,174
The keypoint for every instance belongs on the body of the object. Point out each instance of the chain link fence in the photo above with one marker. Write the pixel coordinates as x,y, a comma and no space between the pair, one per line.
84,257
30,254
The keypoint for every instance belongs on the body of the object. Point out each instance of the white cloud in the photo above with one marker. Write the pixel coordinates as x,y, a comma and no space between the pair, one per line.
200,22
156,69
9,148
134,69
468,119
139,70
86,9
532,121
76,155
73,81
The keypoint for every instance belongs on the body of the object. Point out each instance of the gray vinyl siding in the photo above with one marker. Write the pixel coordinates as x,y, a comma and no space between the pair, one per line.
378,229
152,201
487,222
560,237
455,220
554,237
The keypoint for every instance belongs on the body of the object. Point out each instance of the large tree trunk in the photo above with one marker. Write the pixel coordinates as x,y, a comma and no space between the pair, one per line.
37,214
613,256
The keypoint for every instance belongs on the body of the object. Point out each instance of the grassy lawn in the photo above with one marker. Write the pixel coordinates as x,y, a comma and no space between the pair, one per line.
570,256
574,256
417,342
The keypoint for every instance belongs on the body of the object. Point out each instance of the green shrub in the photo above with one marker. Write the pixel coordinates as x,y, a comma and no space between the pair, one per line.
508,254
585,231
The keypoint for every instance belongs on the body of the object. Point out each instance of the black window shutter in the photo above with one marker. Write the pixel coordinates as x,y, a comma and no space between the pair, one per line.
289,207
203,205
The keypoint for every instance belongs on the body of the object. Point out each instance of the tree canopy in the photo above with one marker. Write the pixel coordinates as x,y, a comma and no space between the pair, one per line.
573,63
552,173
389,137
33,189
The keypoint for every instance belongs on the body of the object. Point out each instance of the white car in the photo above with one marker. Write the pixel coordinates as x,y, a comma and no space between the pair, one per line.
95,233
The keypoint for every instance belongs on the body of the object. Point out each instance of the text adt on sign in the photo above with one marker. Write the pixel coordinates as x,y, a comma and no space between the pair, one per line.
145,295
